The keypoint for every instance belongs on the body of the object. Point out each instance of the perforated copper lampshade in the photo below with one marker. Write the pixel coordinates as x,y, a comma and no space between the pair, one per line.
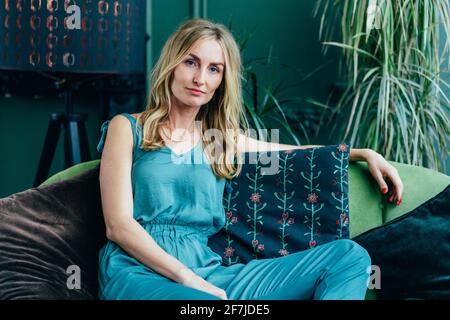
39,35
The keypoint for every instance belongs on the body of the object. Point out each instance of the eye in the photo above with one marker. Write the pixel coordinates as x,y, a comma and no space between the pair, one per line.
215,69
190,62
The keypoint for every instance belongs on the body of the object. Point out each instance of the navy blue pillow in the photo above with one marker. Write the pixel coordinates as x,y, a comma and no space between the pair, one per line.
413,251
283,202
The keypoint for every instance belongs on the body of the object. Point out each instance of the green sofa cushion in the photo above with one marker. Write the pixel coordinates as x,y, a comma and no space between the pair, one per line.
421,184
369,208
70,172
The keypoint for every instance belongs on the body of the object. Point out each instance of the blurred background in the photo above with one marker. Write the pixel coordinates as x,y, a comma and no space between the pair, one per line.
320,71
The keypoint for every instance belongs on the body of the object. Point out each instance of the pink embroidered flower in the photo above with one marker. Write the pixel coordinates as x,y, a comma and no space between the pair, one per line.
338,222
343,215
312,243
312,198
229,251
234,220
256,197
285,215
280,221
255,242
229,214
337,193
283,252
291,221
346,221
260,247
342,147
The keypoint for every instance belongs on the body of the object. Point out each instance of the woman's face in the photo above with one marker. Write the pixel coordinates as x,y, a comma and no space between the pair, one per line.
202,70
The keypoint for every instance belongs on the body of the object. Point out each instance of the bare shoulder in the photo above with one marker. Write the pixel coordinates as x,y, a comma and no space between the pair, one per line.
119,133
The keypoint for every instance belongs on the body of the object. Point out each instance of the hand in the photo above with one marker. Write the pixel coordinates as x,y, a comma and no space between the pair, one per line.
195,281
380,168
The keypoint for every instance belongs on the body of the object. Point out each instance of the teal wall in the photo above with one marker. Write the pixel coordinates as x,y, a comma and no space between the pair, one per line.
23,123
287,25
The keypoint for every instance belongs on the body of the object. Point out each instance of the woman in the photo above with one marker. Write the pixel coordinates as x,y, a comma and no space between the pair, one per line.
159,215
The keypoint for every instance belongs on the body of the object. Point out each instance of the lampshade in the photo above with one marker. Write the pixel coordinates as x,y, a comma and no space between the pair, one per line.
84,36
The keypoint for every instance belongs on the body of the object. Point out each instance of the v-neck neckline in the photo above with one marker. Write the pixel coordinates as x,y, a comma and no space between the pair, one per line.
183,153
169,148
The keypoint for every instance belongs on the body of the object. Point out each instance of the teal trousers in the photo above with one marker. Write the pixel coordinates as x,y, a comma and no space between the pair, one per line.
338,270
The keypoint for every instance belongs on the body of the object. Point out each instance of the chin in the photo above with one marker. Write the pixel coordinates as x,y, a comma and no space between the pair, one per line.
192,101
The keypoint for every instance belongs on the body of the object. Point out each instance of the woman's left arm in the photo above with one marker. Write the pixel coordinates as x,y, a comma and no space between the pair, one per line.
379,167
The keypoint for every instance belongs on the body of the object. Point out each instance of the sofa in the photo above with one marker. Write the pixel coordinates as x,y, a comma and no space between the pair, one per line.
79,233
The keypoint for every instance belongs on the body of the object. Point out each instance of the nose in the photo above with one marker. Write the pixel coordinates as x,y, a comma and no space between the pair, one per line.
199,77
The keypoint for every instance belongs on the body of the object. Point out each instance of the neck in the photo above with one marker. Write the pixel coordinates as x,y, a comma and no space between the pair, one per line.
182,116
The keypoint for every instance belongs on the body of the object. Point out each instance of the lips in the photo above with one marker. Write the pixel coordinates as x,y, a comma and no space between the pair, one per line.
195,90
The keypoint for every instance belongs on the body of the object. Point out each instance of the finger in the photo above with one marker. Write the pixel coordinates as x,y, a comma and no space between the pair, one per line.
380,180
392,195
222,295
398,185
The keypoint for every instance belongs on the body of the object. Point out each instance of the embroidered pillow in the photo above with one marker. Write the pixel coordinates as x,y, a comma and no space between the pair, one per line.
285,201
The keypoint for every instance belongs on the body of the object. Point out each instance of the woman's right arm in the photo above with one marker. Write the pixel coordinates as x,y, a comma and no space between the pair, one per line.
117,204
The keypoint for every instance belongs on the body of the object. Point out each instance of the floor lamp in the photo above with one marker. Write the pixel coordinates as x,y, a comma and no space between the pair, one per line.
71,42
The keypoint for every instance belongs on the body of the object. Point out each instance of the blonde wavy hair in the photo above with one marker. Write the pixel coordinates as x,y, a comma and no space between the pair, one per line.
224,112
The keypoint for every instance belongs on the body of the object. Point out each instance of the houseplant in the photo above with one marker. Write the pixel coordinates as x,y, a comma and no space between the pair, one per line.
394,100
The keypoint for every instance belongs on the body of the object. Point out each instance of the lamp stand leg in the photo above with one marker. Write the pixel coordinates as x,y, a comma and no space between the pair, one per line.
76,146
48,152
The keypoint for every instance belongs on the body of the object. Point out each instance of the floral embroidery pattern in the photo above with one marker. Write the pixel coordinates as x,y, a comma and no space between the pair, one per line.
262,220
230,220
340,179
284,169
312,205
255,207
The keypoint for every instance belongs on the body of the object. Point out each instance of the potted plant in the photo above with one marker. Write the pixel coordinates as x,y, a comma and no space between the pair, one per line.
394,100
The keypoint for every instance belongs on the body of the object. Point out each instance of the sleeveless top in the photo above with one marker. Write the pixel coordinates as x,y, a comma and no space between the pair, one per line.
177,199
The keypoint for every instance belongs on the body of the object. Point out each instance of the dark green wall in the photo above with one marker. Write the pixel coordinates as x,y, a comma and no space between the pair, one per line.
24,124
286,24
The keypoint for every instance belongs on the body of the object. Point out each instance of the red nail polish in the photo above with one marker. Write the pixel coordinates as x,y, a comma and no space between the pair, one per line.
384,190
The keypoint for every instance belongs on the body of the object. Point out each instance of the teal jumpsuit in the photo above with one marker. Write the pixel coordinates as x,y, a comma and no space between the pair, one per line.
178,201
